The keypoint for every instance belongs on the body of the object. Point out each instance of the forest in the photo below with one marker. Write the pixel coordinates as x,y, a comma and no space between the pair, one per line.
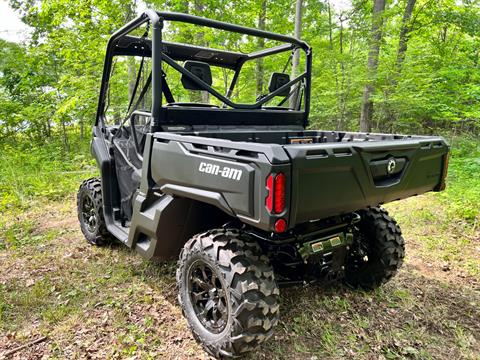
389,66
400,66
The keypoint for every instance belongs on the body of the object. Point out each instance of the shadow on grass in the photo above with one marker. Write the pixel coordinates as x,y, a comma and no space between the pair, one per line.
412,316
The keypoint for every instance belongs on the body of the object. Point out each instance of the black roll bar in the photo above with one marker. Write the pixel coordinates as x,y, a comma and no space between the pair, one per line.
196,20
148,15
156,19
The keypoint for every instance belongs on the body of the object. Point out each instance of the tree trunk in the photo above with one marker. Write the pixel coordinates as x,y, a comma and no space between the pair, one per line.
374,51
348,78
330,27
391,114
65,136
342,99
332,55
199,7
131,63
132,75
49,128
404,36
259,70
82,130
296,55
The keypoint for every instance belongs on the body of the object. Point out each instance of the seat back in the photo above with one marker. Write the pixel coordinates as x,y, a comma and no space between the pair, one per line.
199,69
277,80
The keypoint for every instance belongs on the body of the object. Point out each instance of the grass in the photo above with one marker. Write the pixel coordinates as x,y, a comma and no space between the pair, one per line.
445,226
32,176
462,196
29,170
109,303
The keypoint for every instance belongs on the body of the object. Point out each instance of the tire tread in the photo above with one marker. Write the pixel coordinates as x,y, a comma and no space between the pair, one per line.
253,290
93,186
389,245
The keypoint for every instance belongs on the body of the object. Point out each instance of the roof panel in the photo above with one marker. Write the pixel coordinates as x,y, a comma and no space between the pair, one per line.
135,46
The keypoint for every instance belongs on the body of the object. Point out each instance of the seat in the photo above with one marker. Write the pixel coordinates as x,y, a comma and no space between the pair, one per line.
277,80
199,69
202,71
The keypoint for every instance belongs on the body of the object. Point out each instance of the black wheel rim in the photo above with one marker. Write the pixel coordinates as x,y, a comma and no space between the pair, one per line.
89,213
208,297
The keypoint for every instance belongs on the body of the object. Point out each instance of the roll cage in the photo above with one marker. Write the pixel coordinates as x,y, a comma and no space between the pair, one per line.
121,43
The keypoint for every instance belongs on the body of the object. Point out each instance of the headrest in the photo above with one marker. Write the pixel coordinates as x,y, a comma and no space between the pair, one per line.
277,80
200,70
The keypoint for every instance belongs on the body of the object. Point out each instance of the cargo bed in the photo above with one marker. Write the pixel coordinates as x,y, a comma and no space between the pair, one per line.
328,173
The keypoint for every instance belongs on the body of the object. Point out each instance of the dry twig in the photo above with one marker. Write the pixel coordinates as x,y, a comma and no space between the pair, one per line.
21,347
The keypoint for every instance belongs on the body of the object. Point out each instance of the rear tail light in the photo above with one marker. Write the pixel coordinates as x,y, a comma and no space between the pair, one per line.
280,226
269,198
279,191
275,201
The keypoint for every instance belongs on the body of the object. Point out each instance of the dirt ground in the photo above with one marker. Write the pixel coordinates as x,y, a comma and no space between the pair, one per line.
84,302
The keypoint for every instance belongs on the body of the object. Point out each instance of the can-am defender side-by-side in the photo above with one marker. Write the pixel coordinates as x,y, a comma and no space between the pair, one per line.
241,192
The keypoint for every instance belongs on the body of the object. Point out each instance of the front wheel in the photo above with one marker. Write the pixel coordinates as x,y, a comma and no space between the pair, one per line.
377,252
227,292
90,212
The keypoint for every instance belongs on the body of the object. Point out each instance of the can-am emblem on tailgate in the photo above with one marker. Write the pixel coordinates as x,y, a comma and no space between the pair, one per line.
392,164
225,171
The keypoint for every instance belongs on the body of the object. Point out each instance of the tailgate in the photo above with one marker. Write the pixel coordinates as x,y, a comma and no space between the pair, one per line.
330,179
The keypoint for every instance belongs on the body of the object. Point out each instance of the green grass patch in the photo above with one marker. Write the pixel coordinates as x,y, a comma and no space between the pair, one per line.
444,226
462,196
41,171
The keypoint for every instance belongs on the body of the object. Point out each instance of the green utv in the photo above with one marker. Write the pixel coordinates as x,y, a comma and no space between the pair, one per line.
239,190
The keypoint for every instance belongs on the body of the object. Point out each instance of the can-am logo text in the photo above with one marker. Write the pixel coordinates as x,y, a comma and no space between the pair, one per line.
225,171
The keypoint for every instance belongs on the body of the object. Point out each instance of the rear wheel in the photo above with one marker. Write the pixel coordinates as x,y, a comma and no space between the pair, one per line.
377,252
227,292
90,212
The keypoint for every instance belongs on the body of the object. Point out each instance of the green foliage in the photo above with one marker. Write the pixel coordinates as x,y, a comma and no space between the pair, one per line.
462,197
51,82
40,171
18,234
